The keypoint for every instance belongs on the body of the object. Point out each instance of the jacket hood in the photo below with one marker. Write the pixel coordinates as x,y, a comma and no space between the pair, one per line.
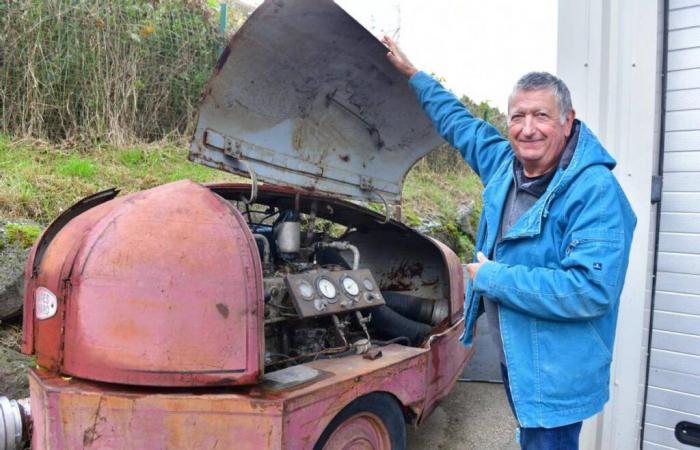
589,152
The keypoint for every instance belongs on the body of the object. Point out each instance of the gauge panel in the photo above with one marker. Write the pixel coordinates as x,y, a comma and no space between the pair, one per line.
322,292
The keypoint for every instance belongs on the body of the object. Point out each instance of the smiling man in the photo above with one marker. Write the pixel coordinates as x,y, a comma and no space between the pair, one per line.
552,250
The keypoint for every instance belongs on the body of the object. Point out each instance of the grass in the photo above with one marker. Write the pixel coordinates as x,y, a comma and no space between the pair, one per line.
23,235
38,181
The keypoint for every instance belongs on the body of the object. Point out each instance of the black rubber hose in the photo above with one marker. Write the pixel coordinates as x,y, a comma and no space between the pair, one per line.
396,340
392,324
415,308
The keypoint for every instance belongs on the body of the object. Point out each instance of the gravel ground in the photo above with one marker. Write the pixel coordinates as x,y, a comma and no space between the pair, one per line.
475,416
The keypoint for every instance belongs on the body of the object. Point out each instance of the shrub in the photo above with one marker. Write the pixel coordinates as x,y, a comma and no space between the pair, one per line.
103,71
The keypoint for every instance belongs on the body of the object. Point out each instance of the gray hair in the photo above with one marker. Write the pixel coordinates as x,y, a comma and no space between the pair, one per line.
535,81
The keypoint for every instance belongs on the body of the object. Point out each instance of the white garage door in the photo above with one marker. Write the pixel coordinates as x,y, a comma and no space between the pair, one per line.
673,395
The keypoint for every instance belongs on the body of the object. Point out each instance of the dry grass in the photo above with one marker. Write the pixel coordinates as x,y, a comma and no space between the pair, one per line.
120,71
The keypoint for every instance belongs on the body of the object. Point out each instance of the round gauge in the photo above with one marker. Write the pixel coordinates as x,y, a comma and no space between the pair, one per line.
368,284
306,290
350,286
327,288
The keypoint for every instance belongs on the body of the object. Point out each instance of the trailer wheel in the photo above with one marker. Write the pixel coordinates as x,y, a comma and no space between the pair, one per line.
372,422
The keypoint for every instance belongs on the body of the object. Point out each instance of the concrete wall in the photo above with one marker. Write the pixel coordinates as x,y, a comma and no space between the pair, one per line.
609,56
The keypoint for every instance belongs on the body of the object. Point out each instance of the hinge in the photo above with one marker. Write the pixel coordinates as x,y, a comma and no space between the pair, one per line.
657,182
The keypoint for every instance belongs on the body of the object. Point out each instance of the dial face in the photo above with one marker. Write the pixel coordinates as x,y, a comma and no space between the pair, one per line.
350,286
306,290
368,284
327,289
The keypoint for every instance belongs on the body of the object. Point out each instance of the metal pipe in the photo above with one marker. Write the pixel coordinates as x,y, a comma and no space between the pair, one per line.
342,245
266,247
15,417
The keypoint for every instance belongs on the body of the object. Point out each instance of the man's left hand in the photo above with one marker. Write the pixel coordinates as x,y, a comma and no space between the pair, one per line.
474,267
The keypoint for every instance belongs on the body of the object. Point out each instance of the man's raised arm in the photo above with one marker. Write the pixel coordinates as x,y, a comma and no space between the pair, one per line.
481,145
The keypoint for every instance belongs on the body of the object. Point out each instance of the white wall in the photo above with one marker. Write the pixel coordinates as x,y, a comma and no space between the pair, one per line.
608,54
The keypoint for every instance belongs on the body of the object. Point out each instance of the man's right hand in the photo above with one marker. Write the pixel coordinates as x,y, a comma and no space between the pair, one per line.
398,59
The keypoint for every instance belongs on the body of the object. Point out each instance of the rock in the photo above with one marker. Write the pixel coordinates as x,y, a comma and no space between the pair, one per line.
428,225
464,217
13,257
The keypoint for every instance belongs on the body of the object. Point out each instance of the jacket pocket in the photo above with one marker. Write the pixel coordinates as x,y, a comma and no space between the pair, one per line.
600,252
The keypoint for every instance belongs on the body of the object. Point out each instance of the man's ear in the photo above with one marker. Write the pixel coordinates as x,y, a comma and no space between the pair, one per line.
570,116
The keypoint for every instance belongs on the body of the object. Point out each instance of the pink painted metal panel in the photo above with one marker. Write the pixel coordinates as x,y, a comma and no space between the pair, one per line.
166,290
72,414
401,371
44,336
448,357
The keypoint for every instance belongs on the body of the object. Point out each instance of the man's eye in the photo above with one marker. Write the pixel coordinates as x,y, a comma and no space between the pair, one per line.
516,117
542,115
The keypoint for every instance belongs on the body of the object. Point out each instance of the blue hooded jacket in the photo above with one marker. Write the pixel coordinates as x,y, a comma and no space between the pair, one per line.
557,274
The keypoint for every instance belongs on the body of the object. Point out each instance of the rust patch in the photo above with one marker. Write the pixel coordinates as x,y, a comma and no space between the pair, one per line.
91,435
223,310
402,278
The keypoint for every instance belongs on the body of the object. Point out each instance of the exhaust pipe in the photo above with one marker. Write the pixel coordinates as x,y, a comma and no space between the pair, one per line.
15,418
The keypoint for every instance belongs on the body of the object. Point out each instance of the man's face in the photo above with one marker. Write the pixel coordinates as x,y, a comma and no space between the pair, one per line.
535,130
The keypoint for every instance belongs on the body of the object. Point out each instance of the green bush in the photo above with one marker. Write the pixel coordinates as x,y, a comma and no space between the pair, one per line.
104,71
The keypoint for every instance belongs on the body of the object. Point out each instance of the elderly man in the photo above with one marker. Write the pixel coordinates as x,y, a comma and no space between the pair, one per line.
553,247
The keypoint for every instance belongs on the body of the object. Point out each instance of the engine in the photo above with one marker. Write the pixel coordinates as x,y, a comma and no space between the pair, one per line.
319,300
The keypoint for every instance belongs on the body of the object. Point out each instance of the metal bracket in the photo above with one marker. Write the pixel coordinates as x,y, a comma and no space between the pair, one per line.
253,182
366,185
657,182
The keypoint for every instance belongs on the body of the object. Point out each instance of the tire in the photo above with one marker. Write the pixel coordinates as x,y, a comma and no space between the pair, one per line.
374,421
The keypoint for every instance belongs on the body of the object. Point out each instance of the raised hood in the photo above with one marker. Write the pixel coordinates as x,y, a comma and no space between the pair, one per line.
304,96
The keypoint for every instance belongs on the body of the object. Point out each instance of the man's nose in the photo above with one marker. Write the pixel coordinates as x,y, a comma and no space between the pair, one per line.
529,126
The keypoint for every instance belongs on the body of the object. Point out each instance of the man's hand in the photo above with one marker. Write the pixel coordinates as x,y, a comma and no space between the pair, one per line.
397,58
474,267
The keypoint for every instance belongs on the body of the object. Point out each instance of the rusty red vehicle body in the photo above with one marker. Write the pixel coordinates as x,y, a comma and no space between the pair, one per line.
254,316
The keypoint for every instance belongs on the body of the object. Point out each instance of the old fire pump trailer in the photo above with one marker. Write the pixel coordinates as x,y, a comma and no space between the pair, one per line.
253,316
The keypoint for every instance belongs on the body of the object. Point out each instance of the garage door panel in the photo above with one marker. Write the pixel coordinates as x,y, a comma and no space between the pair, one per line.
684,18
683,79
682,161
664,438
688,58
686,99
674,381
681,181
682,363
679,242
682,141
676,302
685,38
678,282
675,4
679,263
675,341
680,202
679,223
675,400
682,120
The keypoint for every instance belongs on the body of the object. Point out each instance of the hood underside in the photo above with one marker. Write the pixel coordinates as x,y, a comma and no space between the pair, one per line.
303,96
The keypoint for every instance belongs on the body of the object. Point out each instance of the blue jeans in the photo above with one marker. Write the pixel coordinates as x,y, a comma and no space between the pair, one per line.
559,438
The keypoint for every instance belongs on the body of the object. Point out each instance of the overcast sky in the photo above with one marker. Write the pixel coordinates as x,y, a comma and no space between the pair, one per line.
479,47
